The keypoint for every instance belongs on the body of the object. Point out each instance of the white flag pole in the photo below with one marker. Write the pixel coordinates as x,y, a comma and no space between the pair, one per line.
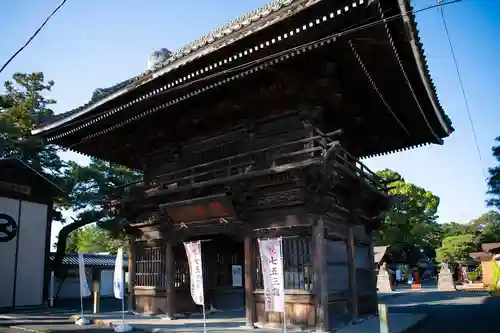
52,278
119,289
283,277
193,252
84,289
204,319
123,303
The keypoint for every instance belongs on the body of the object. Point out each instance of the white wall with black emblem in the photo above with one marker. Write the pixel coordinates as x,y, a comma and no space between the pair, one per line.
22,258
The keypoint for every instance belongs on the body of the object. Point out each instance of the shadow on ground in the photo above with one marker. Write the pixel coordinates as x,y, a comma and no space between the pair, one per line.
452,311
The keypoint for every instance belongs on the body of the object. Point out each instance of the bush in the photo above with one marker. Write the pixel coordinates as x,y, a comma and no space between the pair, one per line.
496,276
473,276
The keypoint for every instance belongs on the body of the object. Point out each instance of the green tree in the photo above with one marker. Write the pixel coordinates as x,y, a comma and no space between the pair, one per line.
494,179
455,229
92,187
22,106
487,228
455,248
410,224
91,239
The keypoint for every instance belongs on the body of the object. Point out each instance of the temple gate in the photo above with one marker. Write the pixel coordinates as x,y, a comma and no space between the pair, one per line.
257,130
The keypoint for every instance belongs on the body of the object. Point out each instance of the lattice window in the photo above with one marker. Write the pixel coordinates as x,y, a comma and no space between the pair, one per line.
297,269
150,267
181,274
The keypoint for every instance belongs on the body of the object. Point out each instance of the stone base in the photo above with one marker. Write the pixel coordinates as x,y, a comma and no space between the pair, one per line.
446,283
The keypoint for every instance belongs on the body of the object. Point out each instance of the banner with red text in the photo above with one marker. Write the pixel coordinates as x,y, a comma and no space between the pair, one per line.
272,274
193,251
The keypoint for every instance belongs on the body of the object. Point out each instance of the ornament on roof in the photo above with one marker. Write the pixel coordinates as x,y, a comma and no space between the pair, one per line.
100,93
158,57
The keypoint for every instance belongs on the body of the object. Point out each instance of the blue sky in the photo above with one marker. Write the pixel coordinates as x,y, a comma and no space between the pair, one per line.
94,44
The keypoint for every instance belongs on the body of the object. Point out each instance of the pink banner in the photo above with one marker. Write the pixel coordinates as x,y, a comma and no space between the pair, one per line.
272,274
193,251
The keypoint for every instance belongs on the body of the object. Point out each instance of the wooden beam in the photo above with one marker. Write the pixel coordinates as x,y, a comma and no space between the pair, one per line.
96,289
371,256
351,262
170,287
132,257
250,271
320,283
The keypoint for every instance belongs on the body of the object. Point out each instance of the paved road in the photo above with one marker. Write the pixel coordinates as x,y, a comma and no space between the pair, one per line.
451,311
448,312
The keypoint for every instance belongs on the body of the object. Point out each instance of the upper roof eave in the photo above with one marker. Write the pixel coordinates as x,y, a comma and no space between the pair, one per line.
184,55
194,51
423,69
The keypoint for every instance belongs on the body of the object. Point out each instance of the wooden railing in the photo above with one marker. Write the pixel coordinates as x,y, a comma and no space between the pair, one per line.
312,148
344,158
259,159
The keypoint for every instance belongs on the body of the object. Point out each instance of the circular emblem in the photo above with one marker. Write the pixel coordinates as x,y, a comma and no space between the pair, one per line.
8,228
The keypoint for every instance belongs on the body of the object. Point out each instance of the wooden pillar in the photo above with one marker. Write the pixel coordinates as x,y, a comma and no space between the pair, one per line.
131,254
373,287
351,256
250,271
96,289
320,274
170,287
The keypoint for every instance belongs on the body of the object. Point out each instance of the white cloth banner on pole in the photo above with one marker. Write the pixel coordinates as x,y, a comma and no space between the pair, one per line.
193,252
119,289
272,274
118,275
84,287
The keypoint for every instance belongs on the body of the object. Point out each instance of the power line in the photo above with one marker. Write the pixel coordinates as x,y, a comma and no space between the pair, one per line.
32,36
246,65
457,69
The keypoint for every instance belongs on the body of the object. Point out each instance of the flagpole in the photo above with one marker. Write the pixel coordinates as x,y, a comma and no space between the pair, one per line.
123,304
81,304
84,289
204,318
119,290
283,277
203,288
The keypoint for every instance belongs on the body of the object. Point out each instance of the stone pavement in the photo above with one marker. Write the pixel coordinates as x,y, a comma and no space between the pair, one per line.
50,320
452,311
399,322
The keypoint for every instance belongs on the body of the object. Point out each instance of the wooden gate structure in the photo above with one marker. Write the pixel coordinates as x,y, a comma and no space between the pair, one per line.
257,130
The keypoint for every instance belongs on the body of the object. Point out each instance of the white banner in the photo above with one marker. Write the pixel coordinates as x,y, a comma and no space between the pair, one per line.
84,287
193,252
118,275
272,274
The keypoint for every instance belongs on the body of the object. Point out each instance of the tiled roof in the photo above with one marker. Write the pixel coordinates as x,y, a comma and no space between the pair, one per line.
203,42
14,161
490,247
245,25
90,260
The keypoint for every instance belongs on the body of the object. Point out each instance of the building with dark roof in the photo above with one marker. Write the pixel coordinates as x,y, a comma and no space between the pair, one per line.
257,130
26,198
